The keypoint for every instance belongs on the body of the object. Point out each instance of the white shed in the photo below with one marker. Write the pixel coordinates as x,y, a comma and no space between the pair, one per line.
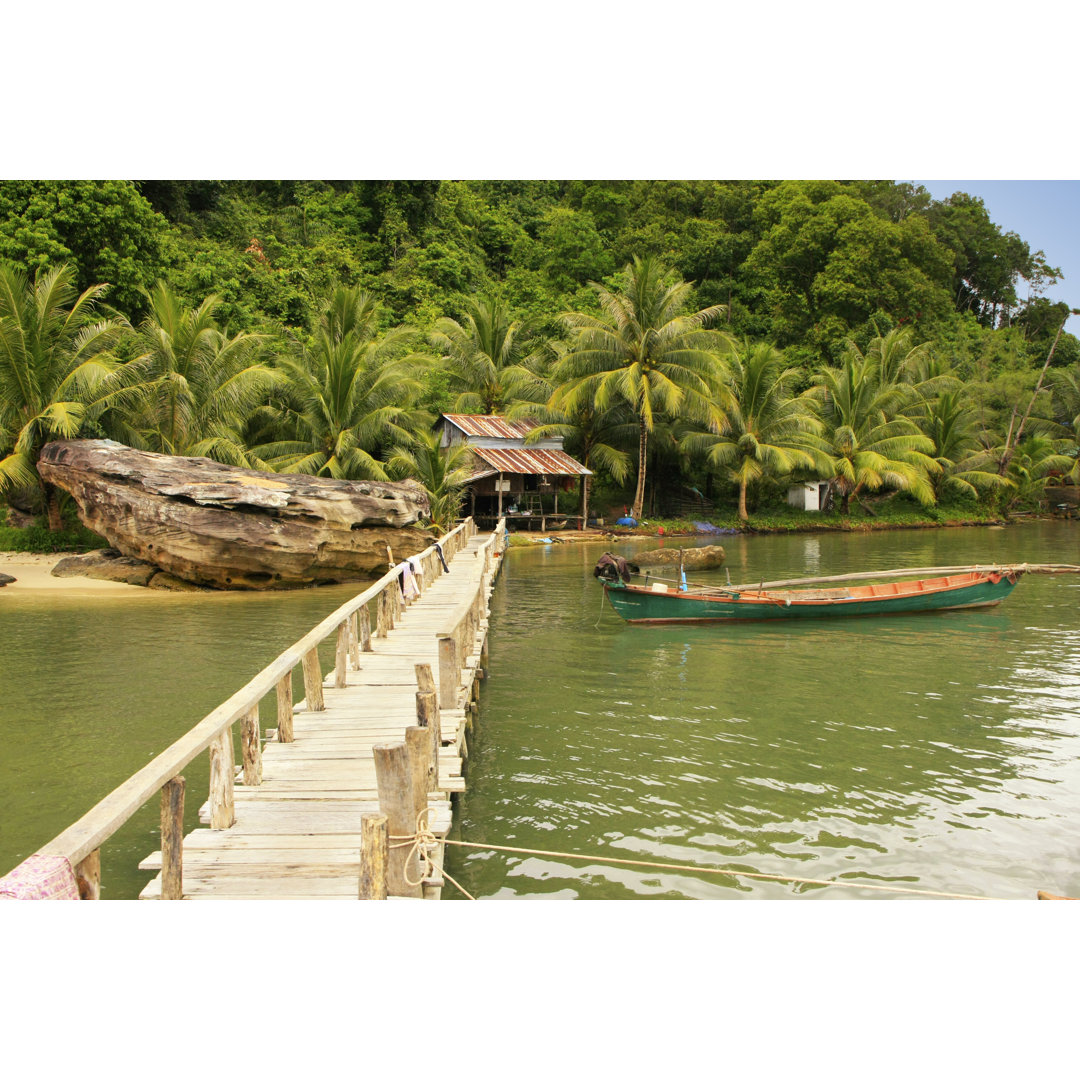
808,496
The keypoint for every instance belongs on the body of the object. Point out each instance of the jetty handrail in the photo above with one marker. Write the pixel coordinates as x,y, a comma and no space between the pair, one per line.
458,630
82,839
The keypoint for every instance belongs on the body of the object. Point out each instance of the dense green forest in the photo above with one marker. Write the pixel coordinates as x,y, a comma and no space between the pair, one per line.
719,337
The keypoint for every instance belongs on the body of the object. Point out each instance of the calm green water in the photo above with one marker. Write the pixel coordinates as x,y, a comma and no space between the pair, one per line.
92,687
932,751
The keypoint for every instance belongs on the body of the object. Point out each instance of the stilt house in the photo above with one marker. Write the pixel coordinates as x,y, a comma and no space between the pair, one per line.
509,478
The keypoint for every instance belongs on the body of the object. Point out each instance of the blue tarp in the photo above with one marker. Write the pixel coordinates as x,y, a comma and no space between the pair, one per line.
712,530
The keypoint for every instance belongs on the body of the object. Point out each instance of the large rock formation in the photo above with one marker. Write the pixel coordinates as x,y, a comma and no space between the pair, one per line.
708,557
231,528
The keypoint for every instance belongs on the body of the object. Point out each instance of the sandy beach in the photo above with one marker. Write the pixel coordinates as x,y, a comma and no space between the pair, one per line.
32,574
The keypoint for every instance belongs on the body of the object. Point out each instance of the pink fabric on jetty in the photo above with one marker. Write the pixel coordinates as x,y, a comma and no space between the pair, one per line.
40,877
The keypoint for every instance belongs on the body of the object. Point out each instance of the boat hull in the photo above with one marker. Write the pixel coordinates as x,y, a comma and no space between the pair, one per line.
639,604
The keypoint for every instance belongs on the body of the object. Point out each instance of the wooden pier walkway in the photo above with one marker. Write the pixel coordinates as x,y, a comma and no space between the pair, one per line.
316,806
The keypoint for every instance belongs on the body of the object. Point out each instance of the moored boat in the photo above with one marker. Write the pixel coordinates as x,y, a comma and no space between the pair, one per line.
678,602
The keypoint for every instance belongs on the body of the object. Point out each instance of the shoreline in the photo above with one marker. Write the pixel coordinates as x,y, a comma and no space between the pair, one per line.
33,573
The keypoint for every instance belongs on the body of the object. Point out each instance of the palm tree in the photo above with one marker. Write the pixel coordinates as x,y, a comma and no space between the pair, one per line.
1034,464
1066,403
442,473
201,384
484,358
56,372
766,431
643,351
346,396
951,425
871,444
591,436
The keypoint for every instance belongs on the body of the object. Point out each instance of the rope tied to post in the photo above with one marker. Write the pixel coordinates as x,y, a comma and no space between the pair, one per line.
423,842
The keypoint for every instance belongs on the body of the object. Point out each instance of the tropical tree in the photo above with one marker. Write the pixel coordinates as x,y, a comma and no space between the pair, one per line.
200,384
346,396
487,359
642,350
966,465
442,473
1066,404
766,431
57,374
871,444
1035,464
593,437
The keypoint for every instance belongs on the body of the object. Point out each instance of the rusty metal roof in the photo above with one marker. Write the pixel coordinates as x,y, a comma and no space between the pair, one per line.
529,462
491,427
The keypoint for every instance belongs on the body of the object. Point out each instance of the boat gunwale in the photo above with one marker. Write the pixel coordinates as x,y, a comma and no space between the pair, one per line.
801,597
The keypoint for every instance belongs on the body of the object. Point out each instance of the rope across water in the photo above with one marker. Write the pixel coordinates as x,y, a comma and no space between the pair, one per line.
423,841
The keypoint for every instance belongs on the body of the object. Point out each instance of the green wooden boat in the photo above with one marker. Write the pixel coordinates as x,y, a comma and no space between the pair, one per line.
664,602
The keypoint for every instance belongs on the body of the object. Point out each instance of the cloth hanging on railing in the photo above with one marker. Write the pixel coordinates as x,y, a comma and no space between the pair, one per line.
40,877
442,559
409,589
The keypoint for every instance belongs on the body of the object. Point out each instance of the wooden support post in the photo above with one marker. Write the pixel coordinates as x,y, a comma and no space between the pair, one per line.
341,656
284,709
374,856
481,672
365,629
88,876
425,680
222,773
395,801
418,742
313,681
449,671
354,642
382,616
172,839
427,716
251,747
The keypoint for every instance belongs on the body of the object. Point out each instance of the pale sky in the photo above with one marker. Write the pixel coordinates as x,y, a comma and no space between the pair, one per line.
1044,213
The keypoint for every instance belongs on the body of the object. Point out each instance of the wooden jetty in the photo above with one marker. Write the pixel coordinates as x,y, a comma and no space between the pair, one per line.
327,804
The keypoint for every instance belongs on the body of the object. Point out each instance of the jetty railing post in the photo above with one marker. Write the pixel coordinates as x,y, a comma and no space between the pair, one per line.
449,671
365,629
172,839
251,747
341,656
382,616
222,775
88,876
418,742
284,708
354,642
313,681
394,781
427,716
374,856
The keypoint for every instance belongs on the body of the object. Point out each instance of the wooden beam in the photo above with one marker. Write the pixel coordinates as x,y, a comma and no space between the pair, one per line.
222,772
251,747
341,655
88,876
285,708
374,856
313,689
396,802
172,839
